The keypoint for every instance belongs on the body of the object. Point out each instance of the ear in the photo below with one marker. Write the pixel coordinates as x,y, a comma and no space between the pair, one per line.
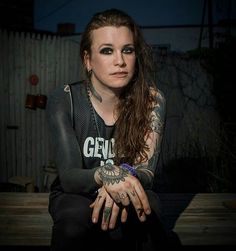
87,60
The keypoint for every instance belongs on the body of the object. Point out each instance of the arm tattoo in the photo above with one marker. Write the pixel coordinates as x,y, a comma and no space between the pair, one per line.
157,126
159,114
150,166
110,175
157,121
153,160
145,168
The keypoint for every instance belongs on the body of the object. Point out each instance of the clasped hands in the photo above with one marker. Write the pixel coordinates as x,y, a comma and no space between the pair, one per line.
115,198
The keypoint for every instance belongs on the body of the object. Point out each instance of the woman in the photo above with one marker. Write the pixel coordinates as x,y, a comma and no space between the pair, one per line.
107,133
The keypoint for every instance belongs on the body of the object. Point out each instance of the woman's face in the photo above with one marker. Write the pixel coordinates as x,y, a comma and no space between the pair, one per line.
112,57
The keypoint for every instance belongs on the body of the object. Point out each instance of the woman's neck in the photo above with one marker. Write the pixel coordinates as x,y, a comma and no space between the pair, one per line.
104,102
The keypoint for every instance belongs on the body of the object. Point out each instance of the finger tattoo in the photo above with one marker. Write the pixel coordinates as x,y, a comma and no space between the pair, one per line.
133,193
107,213
140,211
99,197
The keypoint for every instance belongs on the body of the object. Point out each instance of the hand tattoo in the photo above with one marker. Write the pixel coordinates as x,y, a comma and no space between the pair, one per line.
111,175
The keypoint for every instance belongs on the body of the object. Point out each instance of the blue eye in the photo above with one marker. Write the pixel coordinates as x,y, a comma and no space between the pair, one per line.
128,50
106,51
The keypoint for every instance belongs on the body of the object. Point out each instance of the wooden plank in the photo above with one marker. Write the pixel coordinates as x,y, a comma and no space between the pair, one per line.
201,219
197,219
23,199
25,220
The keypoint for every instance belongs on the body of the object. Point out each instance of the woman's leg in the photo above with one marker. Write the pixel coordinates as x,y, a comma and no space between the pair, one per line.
146,236
73,228
72,222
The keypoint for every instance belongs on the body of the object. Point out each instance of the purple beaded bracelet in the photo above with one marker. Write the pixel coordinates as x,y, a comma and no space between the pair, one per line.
129,168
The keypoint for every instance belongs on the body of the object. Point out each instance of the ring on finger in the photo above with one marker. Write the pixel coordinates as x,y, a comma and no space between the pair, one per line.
123,196
117,199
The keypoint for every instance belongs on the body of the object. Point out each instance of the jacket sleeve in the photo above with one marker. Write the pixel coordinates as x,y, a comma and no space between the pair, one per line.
67,153
146,171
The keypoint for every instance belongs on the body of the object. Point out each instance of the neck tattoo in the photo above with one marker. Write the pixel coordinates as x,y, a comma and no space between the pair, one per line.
94,92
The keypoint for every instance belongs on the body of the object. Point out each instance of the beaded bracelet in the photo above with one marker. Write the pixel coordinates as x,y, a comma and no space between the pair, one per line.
129,168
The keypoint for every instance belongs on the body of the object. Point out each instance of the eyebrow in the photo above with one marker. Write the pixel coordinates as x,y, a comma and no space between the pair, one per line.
111,45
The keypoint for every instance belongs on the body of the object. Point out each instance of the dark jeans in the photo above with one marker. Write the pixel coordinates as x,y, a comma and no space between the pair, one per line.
74,230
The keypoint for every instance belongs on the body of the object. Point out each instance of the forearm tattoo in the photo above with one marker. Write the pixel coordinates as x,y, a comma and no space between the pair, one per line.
157,127
157,121
147,169
150,166
153,160
110,175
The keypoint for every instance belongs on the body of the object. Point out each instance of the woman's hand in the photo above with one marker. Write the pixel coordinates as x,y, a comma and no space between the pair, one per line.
124,188
110,210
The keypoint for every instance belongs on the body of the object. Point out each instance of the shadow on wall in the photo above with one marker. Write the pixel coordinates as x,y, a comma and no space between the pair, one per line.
184,175
173,205
198,155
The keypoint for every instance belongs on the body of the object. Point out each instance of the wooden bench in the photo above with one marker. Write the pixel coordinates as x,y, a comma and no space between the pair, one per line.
197,219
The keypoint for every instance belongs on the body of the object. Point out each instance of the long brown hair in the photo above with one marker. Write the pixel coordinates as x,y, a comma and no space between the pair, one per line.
136,100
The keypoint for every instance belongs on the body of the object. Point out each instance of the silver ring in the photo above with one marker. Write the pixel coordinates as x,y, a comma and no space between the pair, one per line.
123,196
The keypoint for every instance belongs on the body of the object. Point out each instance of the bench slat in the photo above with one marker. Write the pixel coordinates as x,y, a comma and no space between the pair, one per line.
197,219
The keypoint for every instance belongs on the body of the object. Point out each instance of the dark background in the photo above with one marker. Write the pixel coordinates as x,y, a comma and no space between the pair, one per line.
69,18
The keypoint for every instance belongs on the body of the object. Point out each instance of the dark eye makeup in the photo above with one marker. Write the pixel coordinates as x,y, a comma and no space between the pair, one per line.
125,50
128,50
106,50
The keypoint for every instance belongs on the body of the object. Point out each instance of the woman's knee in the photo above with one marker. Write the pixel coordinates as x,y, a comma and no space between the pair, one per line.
71,229
154,202
70,206
71,216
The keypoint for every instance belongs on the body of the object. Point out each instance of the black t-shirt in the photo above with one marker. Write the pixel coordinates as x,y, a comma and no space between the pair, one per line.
95,138
81,141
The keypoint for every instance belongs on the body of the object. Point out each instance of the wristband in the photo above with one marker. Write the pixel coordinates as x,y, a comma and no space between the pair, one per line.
129,168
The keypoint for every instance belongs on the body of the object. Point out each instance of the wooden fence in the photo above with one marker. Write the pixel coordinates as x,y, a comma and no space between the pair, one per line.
53,60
